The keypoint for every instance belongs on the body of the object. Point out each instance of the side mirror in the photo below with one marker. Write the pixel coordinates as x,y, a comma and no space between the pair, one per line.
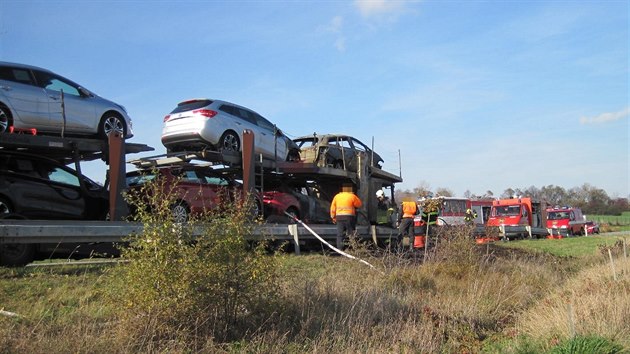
84,92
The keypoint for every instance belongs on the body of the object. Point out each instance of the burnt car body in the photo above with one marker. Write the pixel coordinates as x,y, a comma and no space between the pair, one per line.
194,189
304,200
335,150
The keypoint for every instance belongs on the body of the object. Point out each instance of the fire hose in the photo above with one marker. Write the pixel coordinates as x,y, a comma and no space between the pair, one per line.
293,217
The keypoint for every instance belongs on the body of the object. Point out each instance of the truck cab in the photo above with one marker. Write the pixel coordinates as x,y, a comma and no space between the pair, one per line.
518,218
565,221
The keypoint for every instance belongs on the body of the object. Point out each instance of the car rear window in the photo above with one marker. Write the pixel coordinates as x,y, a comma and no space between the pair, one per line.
190,105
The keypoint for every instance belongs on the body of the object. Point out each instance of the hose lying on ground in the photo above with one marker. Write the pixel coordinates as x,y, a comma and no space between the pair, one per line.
328,244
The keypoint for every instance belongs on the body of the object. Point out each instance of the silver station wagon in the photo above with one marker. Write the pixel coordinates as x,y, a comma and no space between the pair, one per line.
200,124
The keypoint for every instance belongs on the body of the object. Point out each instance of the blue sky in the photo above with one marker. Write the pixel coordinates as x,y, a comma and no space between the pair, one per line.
476,95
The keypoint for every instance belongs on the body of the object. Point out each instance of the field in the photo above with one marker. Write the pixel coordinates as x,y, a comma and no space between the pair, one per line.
613,222
511,297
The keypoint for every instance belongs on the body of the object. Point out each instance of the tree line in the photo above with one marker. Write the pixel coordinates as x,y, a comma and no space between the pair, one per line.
590,199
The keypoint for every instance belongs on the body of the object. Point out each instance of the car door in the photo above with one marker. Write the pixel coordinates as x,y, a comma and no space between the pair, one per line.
65,198
41,189
28,101
80,113
217,189
274,143
241,119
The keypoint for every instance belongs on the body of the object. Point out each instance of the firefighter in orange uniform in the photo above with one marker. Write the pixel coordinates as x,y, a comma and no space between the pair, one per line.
405,220
343,212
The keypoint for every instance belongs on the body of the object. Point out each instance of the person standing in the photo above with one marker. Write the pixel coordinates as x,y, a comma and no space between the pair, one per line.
405,220
343,212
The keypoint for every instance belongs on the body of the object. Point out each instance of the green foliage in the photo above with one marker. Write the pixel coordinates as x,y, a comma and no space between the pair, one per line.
200,277
566,247
587,344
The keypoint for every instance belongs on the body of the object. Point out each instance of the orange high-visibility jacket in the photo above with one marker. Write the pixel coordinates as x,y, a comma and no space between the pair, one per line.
344,203
409,209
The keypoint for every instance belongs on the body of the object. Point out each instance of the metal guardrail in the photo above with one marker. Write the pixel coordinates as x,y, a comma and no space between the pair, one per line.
47,231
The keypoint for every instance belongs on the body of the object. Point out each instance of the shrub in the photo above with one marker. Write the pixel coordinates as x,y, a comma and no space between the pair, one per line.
587,344
194,281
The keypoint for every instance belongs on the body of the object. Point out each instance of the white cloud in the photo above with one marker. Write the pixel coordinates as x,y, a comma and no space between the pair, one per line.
370,8
336,24
606,117
340,44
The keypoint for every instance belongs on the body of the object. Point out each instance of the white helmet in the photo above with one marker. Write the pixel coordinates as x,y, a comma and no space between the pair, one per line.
380,193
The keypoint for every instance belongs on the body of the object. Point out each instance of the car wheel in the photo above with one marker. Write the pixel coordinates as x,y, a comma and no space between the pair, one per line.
14,254
180,212
229,142
5,208
111,122
5,119
294,214
256,209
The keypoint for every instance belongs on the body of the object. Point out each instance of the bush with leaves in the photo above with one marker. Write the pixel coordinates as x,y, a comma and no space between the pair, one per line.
201,278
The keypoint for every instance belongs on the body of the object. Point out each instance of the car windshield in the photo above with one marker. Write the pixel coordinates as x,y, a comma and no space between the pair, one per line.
190,105
558,215
508,210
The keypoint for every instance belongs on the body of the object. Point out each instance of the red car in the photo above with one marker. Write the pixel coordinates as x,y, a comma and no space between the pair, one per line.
197,188
303,200
592,227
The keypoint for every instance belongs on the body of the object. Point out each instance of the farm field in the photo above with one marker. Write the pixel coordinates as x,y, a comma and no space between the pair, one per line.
509,297
613,222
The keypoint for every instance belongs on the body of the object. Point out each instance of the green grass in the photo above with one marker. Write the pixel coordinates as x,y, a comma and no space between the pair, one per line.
567,247
613,220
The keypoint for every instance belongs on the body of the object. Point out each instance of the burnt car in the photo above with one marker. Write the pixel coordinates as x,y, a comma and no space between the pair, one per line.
195,189
304,200
35,187
335,150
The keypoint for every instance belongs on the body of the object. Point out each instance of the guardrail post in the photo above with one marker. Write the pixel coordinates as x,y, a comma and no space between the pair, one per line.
293,230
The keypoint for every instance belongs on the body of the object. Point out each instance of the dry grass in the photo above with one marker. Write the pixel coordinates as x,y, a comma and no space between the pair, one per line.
460,300
592,303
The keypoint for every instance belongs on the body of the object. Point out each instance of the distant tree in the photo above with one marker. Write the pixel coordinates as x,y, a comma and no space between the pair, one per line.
444,192
422,190
532,192
508,193
553,195
468,194
618,206
488,194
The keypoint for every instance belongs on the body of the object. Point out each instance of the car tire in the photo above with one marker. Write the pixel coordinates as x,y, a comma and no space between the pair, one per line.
180,212
293,211
14,254
5,119
111,122
229,142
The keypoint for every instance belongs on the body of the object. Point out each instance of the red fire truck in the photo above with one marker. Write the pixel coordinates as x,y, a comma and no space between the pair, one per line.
565,221
518,218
